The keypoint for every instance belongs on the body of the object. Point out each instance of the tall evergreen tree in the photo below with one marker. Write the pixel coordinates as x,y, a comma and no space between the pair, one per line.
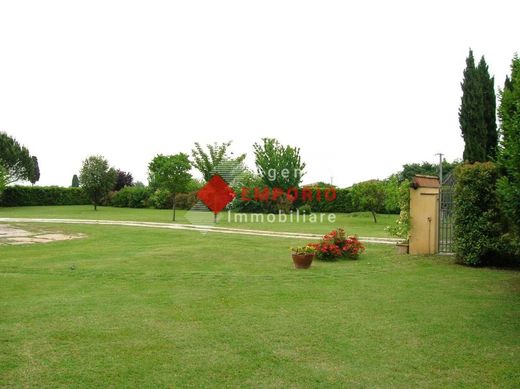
35,173
471,114
75,181
489,104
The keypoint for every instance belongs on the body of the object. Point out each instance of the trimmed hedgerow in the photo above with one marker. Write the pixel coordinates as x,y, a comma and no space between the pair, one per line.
477,217
14,196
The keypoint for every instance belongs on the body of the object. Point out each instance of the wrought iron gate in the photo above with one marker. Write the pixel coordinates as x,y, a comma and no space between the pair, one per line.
446,202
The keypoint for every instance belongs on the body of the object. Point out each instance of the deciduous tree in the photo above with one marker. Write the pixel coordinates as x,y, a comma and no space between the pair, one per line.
279,166
215,160
170,172
97,178
369,196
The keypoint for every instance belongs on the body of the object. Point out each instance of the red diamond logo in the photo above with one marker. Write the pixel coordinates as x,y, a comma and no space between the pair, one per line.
216,194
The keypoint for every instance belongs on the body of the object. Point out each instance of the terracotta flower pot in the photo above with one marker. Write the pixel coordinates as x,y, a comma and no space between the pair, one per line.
302,261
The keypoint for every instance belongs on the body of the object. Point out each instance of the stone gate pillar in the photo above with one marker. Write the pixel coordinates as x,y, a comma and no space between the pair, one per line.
424,215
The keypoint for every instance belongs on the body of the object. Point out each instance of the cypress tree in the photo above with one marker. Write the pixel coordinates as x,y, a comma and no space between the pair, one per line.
489,109
75,181
471,114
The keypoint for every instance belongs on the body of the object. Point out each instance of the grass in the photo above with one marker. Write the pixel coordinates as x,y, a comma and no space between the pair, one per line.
361,224
139,307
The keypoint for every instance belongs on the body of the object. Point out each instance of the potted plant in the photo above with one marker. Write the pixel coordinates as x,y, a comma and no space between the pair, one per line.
303,256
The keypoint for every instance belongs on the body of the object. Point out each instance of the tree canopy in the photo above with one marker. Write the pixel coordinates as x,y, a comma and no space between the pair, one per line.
97,178
216,160
279,166
16,160
170,172
477,112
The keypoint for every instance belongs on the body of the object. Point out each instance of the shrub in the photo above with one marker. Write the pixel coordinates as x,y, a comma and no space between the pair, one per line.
186,200
131,197
401,228
161,199
15,196
477,220
305,209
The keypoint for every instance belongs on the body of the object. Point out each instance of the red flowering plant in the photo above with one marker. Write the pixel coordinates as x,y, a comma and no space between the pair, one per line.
336,244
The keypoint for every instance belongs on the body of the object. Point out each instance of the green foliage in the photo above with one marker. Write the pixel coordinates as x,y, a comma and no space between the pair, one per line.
2,179
75,181
401,228
97,179
279,166
391,194
161,199
171,173
215,160
489,102
131,197
509,157
369,196
35,171
477,219
16,196
477,112
16,160
186,200
426,168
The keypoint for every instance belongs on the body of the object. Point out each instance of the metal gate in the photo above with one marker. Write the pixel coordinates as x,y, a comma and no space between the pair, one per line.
446,204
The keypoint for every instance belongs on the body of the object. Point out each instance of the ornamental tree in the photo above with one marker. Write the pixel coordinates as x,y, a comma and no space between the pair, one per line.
123,179
170,172
96,178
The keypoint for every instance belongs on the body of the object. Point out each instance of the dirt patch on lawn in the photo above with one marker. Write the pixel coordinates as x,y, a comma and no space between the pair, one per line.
15,236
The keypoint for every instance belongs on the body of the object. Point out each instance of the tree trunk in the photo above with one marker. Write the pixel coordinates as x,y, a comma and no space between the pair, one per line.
215,218
95,206
173,206
374,216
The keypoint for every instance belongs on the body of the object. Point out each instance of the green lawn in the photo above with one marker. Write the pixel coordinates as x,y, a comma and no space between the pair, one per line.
147,308
361,224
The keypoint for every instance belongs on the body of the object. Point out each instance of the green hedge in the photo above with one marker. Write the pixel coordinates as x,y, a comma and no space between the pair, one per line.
477,217
14,196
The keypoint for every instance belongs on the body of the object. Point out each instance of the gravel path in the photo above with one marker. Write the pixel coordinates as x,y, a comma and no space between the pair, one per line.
190,227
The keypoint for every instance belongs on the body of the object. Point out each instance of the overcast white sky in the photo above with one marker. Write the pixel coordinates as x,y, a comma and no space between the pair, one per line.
361,88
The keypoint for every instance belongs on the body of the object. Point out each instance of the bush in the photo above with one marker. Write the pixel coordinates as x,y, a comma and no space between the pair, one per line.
131,197
305,209
477,220
15,196
186,200
401,228
161,199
